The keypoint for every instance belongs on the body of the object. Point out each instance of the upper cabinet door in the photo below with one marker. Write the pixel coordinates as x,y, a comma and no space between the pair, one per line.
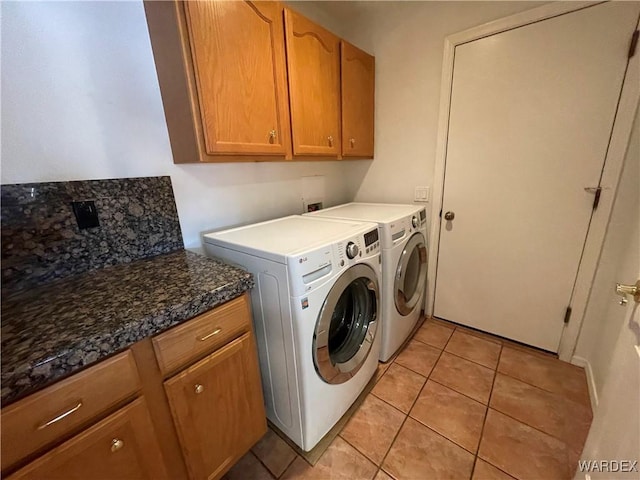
313,61
239,67
358,94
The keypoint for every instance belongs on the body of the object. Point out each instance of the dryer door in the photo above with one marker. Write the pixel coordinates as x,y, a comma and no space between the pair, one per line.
346,325
411,274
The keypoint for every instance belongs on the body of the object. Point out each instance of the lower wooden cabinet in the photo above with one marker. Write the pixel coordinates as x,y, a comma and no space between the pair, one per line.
218,408
196,423
122,446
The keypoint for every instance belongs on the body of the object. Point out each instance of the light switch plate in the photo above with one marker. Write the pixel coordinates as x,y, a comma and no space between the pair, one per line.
421,194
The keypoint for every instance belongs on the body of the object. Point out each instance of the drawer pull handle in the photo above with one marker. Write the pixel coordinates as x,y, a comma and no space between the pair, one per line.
199,388
207,337
116,444
61,416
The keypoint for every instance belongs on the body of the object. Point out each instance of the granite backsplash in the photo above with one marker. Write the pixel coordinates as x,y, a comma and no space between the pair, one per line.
41,240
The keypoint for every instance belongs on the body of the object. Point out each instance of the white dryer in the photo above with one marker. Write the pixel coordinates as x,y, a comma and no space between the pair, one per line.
403,232
315,310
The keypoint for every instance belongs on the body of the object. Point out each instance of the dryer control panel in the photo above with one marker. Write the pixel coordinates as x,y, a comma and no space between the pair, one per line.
403,228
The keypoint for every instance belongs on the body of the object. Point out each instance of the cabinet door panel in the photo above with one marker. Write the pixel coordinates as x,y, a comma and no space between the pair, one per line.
313,61
358,93
218,408
92,454
238,58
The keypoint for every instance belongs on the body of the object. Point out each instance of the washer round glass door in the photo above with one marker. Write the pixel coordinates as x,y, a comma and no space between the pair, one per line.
347,324
411,274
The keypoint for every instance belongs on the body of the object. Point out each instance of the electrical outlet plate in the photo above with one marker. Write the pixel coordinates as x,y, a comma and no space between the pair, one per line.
421,194
312,204
86,214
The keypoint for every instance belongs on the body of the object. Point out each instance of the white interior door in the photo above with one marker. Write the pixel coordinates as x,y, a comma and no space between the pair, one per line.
531,114
615,431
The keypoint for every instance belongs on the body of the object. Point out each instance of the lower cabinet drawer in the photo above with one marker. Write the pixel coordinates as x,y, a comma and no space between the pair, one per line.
190,341
58,411
122,446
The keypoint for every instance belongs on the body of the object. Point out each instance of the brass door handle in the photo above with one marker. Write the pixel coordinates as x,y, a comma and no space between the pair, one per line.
208,336
61,416
449,216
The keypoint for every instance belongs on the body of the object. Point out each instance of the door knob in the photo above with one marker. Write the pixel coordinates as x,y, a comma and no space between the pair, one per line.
624,290
449,216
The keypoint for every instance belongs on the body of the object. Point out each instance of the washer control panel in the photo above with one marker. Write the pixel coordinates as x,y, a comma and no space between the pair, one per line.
359,246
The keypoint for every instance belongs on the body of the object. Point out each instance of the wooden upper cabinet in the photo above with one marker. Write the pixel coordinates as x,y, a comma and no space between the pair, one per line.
218,408
358,94
313,65
222,73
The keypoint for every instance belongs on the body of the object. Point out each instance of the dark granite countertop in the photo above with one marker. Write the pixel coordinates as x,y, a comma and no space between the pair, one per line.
53,330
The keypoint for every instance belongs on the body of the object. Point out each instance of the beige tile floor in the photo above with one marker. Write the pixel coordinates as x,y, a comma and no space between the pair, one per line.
454,404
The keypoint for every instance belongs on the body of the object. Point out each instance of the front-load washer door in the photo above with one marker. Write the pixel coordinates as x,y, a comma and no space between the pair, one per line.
347,324
411,274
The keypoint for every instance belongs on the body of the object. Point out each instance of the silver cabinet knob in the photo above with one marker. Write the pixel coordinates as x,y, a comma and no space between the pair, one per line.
198,388
330,139
352,142
116,444
449,216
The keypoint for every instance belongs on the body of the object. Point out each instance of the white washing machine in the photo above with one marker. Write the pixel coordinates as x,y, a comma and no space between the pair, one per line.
403,232
315,310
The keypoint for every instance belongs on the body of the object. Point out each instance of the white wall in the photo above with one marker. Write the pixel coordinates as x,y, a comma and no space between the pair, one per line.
80,100
407,39
604,317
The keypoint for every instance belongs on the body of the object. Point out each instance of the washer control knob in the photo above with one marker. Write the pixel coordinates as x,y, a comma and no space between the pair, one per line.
352,250
414,222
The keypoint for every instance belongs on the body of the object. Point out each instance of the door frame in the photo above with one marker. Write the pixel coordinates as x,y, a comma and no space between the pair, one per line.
613,162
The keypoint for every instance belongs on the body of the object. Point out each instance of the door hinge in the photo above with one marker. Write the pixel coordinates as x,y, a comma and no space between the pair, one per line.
634,44
596,197
440,213
567,315
597,191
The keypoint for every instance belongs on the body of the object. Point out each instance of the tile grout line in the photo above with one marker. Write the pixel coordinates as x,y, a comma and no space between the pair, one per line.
409,412
486,413
538,387
264,465
460,393
472,361
518,348
543,389
288,465
379,467
531,427
455,354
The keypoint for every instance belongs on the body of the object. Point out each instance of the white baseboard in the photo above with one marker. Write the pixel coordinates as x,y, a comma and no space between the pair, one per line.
593,393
